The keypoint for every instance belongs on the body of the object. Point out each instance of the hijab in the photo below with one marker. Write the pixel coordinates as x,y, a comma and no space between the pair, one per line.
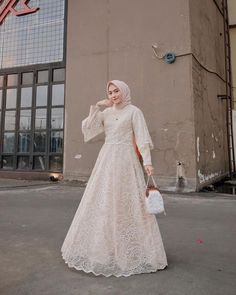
125,93
126,100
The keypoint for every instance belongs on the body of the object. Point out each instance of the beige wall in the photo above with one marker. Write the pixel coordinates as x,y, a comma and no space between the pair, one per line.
232,11
112,40
209,111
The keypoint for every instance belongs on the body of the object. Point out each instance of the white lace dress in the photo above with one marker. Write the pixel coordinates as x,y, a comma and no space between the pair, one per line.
111,233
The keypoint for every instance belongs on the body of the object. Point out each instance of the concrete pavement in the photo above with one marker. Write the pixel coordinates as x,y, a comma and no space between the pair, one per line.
199,234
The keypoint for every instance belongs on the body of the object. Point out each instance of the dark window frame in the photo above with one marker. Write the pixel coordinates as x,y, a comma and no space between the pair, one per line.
33,108
31,68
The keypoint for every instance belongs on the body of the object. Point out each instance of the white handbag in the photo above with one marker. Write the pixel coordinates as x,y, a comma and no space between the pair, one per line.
153,200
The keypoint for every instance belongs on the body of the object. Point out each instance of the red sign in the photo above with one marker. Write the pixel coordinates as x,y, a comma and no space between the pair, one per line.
9,7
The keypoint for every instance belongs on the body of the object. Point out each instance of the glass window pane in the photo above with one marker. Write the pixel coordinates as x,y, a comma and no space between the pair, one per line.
41,119
24,142
11,99
1,81
57,118
58,94
7,162
25,119
0,99
56,163
58,75
42,95
10,120
34,39
42,77
23,162
40,142
12,80
9,142
27,78
56,142
39,163
26,97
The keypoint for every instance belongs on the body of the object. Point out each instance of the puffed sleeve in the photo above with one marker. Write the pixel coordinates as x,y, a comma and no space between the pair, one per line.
93,124
142,136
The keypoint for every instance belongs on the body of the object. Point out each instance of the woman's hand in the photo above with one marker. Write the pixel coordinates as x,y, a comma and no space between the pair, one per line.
105,102
149,169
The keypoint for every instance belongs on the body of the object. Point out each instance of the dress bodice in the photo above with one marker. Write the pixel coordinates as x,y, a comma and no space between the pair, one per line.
118,126
121,126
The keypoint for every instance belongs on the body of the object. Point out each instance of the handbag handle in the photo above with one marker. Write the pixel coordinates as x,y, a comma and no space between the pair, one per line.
152,181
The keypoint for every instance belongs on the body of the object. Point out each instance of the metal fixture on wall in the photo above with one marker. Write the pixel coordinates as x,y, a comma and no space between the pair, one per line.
155,51
169,57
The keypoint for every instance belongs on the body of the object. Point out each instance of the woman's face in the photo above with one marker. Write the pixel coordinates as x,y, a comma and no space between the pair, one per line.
114,94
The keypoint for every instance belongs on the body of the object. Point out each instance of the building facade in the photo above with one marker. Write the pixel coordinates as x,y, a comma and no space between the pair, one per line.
32,79
96,41
180,101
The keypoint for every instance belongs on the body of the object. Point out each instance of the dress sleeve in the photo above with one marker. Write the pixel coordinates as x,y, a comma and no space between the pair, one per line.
93,124
142,136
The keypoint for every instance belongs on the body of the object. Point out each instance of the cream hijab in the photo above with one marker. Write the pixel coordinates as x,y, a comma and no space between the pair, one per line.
143,136
125,93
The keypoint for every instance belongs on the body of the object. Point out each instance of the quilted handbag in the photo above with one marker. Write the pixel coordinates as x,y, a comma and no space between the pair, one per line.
154,200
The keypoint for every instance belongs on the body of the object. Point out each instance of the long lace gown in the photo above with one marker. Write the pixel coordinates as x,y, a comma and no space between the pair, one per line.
111,233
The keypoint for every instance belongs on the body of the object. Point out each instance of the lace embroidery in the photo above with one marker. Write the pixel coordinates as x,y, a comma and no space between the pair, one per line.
111,232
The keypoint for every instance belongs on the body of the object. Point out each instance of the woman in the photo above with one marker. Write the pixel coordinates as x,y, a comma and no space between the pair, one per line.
111,233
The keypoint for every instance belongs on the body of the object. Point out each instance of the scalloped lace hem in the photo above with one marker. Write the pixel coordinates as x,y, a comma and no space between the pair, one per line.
160,267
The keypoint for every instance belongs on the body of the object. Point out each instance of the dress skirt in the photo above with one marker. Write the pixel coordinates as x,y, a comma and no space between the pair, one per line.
111,233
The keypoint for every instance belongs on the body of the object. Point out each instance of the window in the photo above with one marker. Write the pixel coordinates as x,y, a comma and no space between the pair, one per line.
32,112
36,38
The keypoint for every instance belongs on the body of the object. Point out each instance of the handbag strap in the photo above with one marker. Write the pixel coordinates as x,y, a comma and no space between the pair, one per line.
150,176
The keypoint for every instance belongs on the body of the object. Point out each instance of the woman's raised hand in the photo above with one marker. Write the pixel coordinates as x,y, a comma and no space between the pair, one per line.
105,102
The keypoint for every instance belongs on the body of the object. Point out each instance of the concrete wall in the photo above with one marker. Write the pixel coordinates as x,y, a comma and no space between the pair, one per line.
207,41
232,11
112,40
